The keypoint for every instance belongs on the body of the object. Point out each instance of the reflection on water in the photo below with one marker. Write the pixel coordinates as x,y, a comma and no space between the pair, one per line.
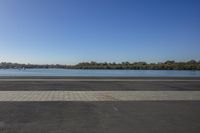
115,73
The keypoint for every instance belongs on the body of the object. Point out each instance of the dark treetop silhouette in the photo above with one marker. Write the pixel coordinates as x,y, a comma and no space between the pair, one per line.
168,65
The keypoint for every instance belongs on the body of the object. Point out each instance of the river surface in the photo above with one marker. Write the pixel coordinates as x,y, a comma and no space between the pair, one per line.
100,73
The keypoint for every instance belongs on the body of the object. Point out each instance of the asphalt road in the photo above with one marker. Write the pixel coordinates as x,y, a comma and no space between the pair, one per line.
100,117
100,85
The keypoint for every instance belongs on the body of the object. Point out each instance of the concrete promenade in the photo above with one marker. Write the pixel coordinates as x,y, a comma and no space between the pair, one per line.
99,105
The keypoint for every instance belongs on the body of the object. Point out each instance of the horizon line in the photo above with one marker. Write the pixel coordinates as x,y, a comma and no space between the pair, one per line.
117,62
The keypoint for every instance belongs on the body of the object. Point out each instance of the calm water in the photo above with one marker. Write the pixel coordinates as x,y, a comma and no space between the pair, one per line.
113,73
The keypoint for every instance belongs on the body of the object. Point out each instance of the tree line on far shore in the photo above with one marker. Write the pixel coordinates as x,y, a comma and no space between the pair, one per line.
168,65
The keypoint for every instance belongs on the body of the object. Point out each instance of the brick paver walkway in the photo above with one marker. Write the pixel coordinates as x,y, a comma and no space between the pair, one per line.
98,95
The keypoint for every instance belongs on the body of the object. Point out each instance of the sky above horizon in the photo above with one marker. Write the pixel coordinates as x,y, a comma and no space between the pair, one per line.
72,31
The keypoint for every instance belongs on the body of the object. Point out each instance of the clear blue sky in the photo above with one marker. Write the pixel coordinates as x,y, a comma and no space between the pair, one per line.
72,31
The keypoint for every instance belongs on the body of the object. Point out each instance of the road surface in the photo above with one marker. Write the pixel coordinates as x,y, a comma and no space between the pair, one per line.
76,105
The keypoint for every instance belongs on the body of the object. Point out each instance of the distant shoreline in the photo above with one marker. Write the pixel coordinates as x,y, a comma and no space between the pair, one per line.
167,65
103,69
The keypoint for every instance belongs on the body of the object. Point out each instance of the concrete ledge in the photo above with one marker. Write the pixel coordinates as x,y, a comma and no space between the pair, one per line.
104,79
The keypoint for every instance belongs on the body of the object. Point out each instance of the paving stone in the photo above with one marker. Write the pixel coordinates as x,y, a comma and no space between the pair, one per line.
98,95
